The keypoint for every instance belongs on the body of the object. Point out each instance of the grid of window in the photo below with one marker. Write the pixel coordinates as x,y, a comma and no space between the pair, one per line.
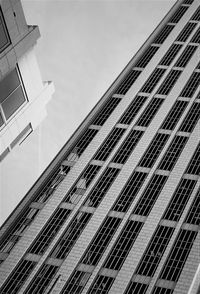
150,195
160,290
171,54
136,287
169,82
18,277
83,182
132,110
84,141
196,37
194,165
191,85
178,255
128,146
128,82
153,80
186,56
101,240
150,111
196,15
191,118
163,34
105,111
123,245
173,152
76,283
19,227
130,191
193,216
70,236
49,231
185,33
101,187
147,56
42,279
109,144
174,115
155,251
178,14
154,150
4,38
101,285
188,1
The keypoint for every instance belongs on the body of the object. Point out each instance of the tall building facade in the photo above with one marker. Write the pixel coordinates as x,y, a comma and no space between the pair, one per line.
118,209
23,94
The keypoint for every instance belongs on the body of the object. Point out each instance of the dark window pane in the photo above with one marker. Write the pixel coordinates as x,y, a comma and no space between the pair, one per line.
13,102
8,85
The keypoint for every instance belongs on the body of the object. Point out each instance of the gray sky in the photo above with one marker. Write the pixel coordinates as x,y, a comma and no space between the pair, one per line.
84,45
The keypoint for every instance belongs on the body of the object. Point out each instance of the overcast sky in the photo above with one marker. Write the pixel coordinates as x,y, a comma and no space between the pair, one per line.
84,45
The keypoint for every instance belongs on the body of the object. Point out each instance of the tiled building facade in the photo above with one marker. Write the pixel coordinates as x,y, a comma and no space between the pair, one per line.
23,94
118,209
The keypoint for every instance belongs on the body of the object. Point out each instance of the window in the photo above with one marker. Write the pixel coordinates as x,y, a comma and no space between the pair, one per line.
163,34
11,94
173,152
186,32
194,165
83,182
4,38
196,15
186,56
154,150
109,144
17,278
136,287
76,283
160,290
196,37
100,242
153,80
128,81
84,141
169,82
174,115
193,216
191,86
146,56
105,111
101,285
132,110
49,231
171,54
178,255
130,191
178,14
101,187
71,235
149,112
127,146
154,251
123,245
42,279
188,1
150,195
191,119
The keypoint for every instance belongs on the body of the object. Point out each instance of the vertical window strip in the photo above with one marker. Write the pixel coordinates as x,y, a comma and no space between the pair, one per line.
173,152
129,192
191,85
150,195
84,141
193,216
194,165
102,284
123,245
132,110
127,146
153,80
76,283
178,14
186,56
109,144
169,82
186,32
154,150
196,37
161,290
101,187
154,251
174,115
171,54
146,56
188,1
191,119
196,15
163,34
178,255
101,241
128,81
149,112
136,287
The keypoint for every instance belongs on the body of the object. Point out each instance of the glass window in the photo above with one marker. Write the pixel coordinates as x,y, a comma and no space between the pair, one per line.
170,55
4,38
147,56
169,82
185,33
186,56
153,80
128,81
